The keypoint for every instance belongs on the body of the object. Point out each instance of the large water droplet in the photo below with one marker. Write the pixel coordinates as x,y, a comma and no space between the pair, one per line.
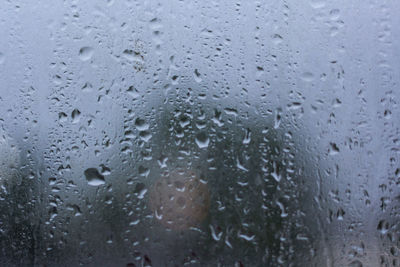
75,115
93,177
86,53
133,92
62,117
202,140
141,124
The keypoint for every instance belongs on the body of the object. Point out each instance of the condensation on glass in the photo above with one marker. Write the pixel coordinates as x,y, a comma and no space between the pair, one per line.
199,133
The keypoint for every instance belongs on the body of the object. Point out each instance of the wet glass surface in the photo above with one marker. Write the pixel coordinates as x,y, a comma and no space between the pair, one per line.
208,133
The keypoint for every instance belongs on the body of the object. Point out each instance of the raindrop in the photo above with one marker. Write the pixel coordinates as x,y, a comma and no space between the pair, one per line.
383,227
93,177
283,210
133,92
87,87
247,137
129,134
184,121
246,237
75,115
214,235
62,117
142,193
240,166
53,213
105,170
162,161
340,213
202,140
277,39
145,136
86,53
136,222
333,149
277,118
143,171
52,181
197,76
141,124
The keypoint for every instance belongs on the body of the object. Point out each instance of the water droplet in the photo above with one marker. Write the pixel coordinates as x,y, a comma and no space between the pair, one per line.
133,92
184,121
231,111
275,173
240,166
340,213
93,177
277,39
163,161
136,222
62,117
283,209
105,170
133,55
197,76
129,134
52,181
86,53
246,237
142,193
87,87
141,124
247,137
333,149
145,136
383,227
75,115
277,118
53,213
214,235
143,171
202,140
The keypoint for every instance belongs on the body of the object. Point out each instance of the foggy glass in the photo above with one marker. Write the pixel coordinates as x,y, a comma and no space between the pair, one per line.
199,133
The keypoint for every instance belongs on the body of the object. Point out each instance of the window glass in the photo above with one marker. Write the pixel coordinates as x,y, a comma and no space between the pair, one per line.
199,133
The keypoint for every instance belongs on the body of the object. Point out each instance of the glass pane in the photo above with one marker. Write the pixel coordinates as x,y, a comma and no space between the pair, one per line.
199,133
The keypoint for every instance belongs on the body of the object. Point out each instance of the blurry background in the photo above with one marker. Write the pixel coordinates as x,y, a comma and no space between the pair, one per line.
287,112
